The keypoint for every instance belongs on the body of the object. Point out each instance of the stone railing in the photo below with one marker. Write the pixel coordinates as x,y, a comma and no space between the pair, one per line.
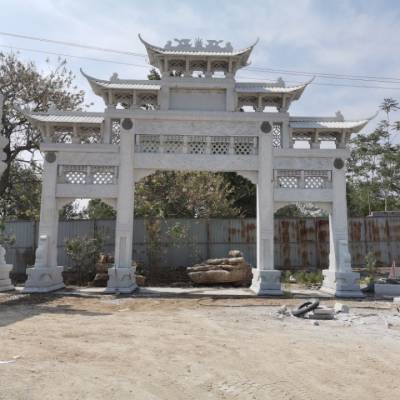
185,144
302,179
87,174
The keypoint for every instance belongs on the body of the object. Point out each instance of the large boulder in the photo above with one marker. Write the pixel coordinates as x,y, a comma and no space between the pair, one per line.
233,269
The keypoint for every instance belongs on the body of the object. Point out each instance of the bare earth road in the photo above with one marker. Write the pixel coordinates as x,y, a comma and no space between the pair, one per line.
103,347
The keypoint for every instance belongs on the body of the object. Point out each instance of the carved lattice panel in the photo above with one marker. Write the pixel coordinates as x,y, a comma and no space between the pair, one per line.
220,144
149,143
103,175
245,145
75,174
62,134
115,131
173,144
123,100
288,182
244,101
314,182
277,136
197,145
89,134
219,66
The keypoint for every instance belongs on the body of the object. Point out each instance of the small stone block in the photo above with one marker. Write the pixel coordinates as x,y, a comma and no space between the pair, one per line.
341,308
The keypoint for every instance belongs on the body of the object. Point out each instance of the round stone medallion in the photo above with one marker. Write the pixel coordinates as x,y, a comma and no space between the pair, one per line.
50,157
338,163
266,127
127,124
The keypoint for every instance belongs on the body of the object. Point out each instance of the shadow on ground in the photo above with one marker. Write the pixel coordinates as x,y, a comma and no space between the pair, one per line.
22,306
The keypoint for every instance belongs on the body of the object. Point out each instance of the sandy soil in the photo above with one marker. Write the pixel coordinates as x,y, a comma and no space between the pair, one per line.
103,347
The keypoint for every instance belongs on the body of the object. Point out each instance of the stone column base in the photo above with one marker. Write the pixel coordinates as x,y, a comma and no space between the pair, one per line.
341,284
43,279
5,281
121,280
266,282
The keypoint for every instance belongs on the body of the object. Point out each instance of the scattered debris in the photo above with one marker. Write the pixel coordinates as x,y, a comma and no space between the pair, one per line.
306,307
341,308
283,310
316,323
322,313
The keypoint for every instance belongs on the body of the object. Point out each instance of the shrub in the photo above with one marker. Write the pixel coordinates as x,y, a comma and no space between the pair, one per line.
85,252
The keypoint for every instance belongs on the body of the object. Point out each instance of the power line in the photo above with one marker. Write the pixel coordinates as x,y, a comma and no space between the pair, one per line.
335,84
83,46
326,75
148,66
73,56
255,69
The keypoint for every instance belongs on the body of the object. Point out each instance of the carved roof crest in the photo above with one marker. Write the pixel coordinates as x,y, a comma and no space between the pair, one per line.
198,45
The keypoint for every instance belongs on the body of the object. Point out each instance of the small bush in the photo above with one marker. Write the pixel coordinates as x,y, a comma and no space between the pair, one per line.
85,252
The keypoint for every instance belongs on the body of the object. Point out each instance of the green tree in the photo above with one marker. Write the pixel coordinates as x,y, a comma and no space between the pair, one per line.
374,167
97,209
183,194
154,75
22,200
243,194
24,86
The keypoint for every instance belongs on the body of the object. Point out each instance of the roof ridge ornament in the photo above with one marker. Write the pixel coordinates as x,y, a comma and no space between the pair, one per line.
339,116
198,45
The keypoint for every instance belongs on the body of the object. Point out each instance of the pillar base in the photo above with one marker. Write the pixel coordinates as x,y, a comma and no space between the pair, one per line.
341,284
121,280
43,279
266,282
5,281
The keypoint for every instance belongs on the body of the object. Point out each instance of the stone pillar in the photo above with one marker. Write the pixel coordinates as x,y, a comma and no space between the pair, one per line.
121,277
5,269
266,280
339,279
46,275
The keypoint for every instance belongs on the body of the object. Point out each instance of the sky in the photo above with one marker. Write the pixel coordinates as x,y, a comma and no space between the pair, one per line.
357,37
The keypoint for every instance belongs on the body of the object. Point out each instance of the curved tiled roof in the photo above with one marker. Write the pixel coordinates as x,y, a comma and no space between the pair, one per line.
62,117
121,83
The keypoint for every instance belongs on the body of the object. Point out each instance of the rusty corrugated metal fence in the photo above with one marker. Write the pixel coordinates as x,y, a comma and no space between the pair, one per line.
300,243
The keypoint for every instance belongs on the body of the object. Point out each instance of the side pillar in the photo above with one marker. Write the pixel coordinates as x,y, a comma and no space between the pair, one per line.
266,280
121,277
339,279
46,276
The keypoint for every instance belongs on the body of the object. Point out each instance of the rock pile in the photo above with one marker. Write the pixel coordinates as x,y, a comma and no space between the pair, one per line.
233,269
105,261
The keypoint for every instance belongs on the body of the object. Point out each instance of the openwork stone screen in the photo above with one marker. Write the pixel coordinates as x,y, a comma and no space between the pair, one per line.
304,179
277,135
87,174
185,144
115,131
62,134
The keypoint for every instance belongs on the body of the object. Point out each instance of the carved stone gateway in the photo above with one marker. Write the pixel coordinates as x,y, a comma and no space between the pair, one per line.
194,119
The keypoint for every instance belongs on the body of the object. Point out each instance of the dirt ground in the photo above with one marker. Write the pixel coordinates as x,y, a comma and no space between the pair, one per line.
107,347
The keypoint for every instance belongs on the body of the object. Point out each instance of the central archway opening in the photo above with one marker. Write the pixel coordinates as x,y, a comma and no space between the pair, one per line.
186,218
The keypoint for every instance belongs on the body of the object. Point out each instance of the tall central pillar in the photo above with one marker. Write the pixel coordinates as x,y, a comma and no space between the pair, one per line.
121,277
266,280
